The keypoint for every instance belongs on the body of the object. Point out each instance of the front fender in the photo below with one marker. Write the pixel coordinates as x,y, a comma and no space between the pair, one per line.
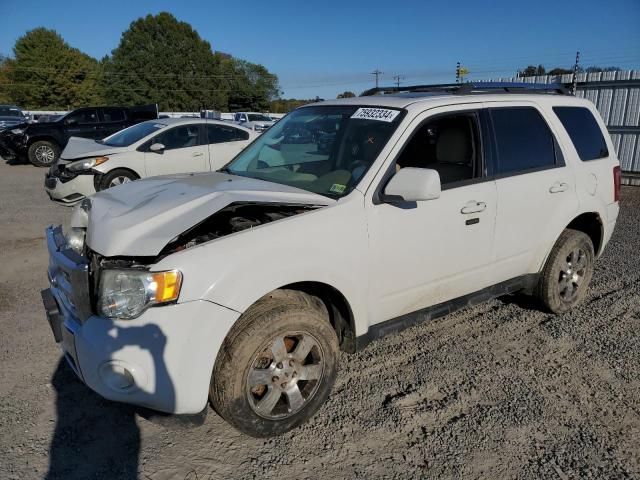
327,245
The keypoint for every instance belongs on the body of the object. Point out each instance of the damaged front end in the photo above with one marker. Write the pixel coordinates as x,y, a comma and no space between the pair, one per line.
135,272
234,218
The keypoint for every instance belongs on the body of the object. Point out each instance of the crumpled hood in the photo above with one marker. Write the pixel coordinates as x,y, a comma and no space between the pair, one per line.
140,218
78,147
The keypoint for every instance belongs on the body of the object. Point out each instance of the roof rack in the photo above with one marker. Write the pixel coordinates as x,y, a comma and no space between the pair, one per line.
473,88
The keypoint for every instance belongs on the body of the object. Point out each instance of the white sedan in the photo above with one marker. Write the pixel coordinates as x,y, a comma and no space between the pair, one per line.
156,147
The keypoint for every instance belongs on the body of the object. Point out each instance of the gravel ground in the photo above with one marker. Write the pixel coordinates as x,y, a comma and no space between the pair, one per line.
500,390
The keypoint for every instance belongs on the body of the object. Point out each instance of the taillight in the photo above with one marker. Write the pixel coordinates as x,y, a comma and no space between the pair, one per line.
616,183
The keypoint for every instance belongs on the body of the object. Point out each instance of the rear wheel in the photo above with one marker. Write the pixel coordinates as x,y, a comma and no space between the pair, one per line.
277,365
43,153
115,178
567,273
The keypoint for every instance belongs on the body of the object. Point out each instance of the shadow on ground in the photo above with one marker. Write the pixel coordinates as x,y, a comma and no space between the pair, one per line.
93,438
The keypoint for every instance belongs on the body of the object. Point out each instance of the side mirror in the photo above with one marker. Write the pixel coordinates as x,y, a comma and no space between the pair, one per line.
72,121
157,148
413,185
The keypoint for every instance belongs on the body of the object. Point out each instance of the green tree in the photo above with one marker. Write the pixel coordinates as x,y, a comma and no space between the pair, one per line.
282,105
559,71
162,60
532,71
346,94
252,87
4,80
47,73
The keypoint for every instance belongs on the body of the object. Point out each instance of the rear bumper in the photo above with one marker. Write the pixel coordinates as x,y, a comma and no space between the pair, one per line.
161,360
613,209
71,192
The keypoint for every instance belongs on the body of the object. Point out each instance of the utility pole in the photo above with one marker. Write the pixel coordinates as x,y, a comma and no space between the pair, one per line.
458,72
377,73
397,79
574,83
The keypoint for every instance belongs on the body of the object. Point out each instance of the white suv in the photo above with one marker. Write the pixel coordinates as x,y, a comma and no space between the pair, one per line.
253,120
346,221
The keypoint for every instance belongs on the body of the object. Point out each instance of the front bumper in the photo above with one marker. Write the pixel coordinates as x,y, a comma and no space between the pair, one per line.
8,150
161,360
70,192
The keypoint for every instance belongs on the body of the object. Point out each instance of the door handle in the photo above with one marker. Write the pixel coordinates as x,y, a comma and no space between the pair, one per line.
473,207
197,154
558,187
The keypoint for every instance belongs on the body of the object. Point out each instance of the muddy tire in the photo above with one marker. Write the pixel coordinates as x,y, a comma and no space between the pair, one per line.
43,153
115,178
277,365
565,279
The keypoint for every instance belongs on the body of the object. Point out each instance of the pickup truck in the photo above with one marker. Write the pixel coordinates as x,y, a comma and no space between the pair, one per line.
42,142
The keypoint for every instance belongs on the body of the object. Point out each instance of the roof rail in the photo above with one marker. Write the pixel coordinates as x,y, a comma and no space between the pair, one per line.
473,88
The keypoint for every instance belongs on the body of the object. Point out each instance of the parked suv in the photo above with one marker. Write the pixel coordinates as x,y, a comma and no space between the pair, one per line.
253,120
10,116
42,142
240,287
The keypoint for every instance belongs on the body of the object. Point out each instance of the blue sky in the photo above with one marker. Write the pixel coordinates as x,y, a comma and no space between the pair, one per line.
325,47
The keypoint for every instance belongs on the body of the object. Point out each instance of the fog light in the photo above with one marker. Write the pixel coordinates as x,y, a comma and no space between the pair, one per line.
116,376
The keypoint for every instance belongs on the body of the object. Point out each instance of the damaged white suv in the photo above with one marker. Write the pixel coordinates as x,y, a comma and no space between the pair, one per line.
345,221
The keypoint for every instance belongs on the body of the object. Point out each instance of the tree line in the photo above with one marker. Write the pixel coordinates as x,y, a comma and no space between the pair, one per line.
532,70
159,60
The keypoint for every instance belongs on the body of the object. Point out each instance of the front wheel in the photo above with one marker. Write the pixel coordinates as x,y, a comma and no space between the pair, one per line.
277,365
567,273
115,178
43,153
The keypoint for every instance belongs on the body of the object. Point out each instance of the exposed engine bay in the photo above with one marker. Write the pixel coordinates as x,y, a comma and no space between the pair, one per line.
231,219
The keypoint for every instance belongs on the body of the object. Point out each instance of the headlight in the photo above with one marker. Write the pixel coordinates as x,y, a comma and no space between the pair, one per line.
125,294
75,239
17,131
86,164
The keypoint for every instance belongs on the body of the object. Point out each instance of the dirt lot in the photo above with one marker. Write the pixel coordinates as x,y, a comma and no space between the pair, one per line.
501,390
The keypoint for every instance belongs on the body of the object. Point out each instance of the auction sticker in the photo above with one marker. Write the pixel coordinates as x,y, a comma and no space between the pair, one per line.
380,114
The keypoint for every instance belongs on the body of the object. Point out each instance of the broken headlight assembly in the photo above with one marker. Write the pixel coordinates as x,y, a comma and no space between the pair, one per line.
125,294
75,239
86,164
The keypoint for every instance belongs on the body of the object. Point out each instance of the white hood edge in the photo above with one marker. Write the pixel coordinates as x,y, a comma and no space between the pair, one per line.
140,218
78,147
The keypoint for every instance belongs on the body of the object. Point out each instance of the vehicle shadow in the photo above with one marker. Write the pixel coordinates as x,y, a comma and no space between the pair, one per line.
95,437
526,302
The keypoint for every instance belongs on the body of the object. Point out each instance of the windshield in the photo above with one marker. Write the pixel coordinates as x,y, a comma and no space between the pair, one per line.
324,150
10,112
131,135
257,117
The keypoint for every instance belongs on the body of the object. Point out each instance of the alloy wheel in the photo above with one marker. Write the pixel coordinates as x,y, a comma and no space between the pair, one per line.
285,376
572,273
45,154
119,180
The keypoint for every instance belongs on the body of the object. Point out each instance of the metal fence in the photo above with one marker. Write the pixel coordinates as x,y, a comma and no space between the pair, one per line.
617,97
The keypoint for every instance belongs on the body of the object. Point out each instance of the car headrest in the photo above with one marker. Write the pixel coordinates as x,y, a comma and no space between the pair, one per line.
453,146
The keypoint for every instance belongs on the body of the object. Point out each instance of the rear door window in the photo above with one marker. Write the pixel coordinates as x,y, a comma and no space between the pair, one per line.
87,115
179,137
112,115
523,139
224,133
583,131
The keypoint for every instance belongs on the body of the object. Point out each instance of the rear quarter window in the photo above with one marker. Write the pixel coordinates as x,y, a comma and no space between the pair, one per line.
584,132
